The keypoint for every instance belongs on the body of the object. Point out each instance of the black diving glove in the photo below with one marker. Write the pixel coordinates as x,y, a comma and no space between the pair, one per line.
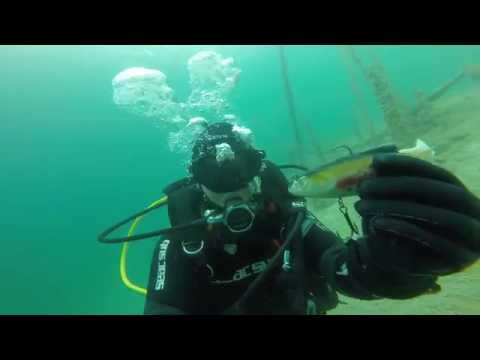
419,221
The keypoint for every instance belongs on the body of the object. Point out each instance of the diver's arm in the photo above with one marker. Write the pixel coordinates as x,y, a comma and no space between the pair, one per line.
172,286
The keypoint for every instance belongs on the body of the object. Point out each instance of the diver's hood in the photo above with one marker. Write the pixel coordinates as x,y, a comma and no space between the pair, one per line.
224,175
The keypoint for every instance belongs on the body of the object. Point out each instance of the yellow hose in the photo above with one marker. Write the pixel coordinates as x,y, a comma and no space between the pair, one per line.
123,255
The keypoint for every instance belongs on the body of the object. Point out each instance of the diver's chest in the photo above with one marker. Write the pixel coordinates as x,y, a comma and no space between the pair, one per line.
228,274
240,258
243,265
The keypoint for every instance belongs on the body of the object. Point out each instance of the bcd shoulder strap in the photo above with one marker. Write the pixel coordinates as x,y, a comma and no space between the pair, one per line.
274,184
184,206
184,201
298,282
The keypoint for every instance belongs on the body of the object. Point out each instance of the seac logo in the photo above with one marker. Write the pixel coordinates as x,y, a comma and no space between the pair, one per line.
250,270
162,254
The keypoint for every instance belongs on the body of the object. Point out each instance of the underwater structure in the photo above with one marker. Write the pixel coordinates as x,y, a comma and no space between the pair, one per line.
397,115
291,105
363,126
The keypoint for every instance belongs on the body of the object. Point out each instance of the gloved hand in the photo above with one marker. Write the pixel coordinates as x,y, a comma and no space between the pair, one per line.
418,219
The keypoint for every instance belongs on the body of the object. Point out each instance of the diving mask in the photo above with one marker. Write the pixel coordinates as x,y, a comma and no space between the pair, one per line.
237,216
238,208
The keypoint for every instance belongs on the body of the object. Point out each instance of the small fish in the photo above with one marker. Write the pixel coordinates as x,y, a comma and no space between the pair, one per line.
342,176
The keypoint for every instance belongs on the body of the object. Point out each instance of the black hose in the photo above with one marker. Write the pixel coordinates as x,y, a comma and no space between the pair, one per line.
103,236
240,304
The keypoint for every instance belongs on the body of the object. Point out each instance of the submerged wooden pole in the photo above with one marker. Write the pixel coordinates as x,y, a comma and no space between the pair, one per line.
395,115
469,71
445,87
317,148
290,102
350,58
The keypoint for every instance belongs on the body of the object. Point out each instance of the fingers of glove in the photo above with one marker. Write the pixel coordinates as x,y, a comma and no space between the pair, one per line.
464,230
434,254
400,165
422,190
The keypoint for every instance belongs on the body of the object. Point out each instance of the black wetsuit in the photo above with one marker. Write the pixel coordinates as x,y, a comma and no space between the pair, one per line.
178,285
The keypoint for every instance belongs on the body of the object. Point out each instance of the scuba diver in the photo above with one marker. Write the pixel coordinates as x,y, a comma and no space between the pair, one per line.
261,251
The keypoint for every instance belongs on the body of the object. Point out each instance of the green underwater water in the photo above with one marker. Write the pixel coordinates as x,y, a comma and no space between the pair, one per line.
72,163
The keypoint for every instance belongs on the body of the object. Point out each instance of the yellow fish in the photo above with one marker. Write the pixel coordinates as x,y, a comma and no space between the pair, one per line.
342,176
